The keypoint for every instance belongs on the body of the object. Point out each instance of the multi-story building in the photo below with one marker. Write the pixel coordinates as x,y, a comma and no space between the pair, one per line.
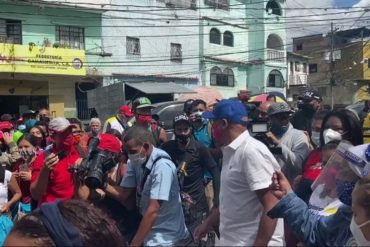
226,44
267,46
297,75
47,52
337,81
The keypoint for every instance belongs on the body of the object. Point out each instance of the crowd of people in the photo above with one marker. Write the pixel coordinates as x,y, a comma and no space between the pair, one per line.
230,175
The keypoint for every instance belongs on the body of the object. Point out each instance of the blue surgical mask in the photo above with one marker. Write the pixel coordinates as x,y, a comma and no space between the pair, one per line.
278,130
344,191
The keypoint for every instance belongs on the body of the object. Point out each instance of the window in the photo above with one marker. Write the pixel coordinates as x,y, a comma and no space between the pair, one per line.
229,74
312,68
192,4
215,36
219,4
132,46
176,53
275,79
10,31
291,67
70,37
228,38
304,67
215,74
299,47
219,78
273,7
297,66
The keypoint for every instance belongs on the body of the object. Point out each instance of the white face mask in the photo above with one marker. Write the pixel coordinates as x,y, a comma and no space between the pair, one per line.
331,135
137,159
315,137
358,234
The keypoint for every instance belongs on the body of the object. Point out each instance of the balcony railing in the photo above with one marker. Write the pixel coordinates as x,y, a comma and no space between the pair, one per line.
276,56
300,79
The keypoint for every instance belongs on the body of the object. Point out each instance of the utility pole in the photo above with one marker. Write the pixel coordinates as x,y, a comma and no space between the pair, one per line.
332,66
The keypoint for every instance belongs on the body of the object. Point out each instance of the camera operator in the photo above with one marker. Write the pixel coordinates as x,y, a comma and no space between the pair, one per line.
294,143
102,169
50,177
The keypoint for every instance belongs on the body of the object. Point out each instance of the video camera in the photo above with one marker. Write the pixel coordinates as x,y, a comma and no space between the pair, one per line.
259,128
94,167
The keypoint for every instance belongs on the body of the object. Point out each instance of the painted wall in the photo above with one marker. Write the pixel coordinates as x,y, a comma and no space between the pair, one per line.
38,23
232,20
262,24
156,31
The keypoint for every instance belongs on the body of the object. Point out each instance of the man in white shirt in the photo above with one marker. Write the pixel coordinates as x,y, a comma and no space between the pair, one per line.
246,174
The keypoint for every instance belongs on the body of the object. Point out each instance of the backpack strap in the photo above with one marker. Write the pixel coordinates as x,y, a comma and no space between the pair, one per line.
148,171
2,173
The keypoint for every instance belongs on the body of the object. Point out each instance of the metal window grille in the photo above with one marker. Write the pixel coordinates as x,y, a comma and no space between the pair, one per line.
219,4
176,52
133,46
71,37
11,31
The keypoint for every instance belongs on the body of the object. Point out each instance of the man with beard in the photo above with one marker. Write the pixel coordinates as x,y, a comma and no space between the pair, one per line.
192,158
293,143
302,119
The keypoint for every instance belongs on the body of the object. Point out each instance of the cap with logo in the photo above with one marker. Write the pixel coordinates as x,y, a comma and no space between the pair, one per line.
181,118
232,110
310,95
142,102
279,108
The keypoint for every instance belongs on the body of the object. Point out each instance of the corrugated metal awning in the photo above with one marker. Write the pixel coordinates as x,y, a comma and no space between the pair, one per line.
159,87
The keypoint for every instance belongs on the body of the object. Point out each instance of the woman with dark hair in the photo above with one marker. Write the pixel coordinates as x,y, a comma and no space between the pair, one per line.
65,223
28,148
39,133
341,125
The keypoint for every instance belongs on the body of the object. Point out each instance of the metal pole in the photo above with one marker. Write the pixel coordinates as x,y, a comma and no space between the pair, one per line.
332,80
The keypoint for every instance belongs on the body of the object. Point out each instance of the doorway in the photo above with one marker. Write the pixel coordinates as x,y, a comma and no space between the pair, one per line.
16,105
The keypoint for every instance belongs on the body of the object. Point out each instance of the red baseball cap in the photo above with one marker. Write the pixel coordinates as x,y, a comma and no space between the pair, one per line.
126,110
6,125
110,142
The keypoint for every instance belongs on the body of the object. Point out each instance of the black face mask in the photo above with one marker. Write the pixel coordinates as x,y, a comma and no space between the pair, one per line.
308,109
183,139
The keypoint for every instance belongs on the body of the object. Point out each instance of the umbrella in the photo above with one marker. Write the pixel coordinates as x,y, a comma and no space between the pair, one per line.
208,94
263,98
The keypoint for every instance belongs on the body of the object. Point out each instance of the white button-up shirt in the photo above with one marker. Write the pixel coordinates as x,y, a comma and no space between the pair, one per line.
248,166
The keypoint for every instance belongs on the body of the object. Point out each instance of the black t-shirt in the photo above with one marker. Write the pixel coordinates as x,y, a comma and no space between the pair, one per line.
302,120
198,159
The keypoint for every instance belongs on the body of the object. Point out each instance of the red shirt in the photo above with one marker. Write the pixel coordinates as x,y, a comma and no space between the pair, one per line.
60,184
313,165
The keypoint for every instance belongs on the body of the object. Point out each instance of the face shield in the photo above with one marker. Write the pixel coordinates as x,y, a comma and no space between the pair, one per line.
337,178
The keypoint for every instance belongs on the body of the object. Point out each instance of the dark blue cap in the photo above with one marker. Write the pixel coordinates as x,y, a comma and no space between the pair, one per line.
232,110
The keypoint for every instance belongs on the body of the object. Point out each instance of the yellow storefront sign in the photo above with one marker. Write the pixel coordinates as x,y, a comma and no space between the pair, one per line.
42,60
